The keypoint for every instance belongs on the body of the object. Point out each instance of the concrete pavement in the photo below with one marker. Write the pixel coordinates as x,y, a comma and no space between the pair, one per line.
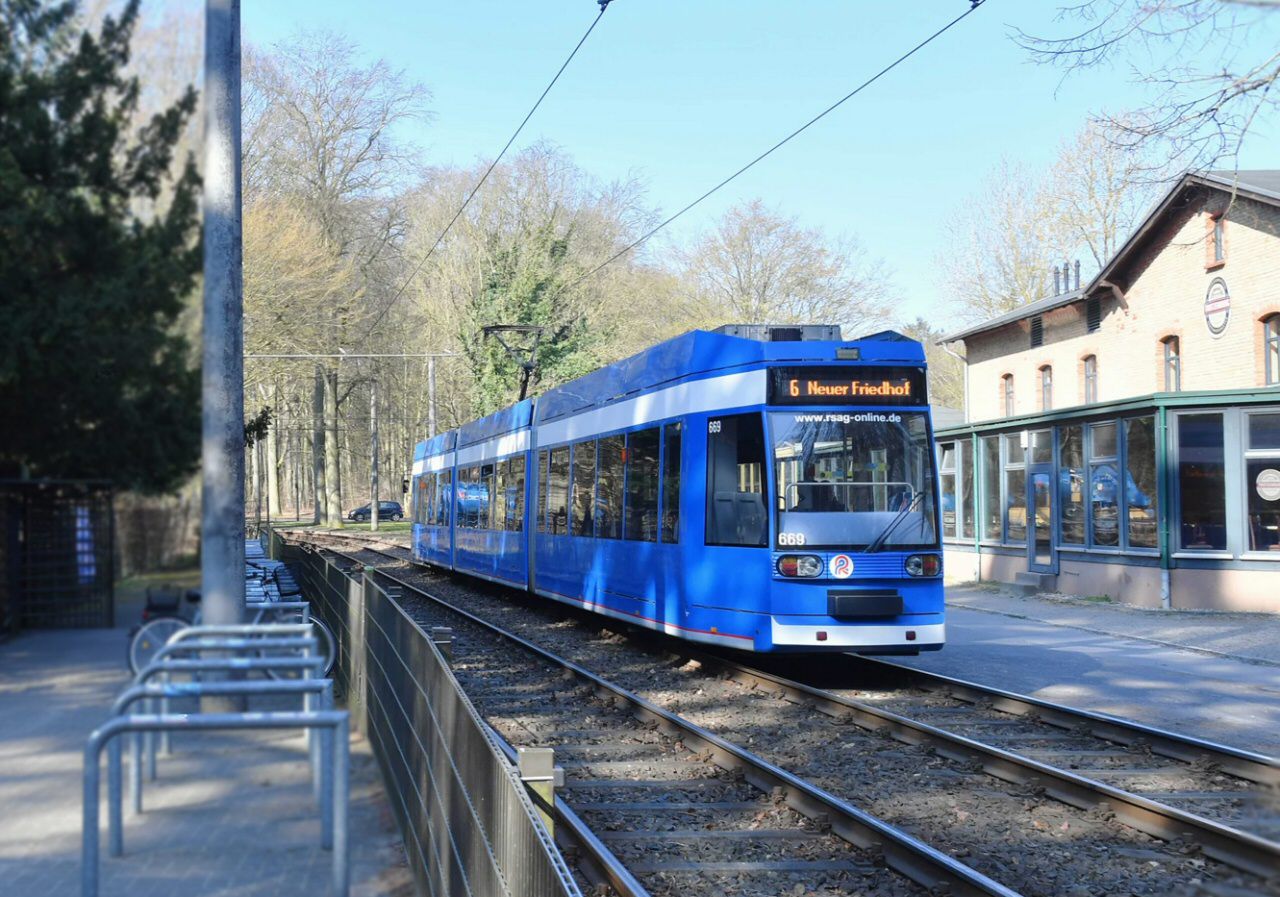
231,814
1211,675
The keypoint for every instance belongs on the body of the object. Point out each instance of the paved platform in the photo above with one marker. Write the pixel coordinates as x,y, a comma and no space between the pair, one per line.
1211,675
232,815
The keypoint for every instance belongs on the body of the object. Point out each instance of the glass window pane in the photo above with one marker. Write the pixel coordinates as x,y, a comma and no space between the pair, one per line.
1042,446
735,481
1015,497
1071,484
1140,488
444,507
584,489
542,490
1014,453
1262,478
492,515
609,488
1264,431
991,488
1104,441
1104,485
497,492
1201,483
515,495
948,481
671,483
966,489
946,456
641,523
558,492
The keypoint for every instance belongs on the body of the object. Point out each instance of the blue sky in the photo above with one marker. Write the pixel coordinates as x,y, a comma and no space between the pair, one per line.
682,93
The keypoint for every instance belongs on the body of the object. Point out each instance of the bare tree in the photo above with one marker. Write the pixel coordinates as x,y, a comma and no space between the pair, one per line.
758,266
946,372
1004,241
1210,65
1098,190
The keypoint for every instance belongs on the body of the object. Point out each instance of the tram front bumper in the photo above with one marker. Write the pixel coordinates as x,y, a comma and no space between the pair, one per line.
861,638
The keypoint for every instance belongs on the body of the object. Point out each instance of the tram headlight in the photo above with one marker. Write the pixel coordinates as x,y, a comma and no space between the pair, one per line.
924,565
800,565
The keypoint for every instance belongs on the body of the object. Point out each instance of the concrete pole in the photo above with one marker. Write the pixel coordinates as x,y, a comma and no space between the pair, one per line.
431,397
373,455
222,391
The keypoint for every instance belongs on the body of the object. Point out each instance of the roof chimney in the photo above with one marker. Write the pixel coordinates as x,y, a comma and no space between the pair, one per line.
1057,281
1077,274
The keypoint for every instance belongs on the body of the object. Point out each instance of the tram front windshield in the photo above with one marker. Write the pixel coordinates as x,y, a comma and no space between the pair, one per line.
853,479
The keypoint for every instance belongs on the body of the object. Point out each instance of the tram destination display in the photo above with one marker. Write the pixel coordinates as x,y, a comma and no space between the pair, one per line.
847,385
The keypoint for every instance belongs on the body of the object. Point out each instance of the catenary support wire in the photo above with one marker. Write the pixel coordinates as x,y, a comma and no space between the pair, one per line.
604,4
974,4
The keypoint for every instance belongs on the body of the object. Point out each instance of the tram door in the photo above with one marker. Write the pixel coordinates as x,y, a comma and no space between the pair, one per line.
1040,554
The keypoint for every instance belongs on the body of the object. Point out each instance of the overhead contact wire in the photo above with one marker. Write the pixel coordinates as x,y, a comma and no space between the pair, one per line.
785,140
604,5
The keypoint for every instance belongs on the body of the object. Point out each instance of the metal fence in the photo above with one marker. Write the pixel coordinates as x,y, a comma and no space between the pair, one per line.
57,548
468,823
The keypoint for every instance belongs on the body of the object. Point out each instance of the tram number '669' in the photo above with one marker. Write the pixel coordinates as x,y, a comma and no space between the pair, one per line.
713,426
791,539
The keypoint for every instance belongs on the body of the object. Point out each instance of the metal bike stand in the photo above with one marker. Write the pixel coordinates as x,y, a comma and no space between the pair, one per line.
304,687
335,721
309,645
312,665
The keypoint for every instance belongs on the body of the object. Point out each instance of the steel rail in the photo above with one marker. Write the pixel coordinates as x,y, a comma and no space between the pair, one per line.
902,852
1232,846
1237,848
1242,764
600,863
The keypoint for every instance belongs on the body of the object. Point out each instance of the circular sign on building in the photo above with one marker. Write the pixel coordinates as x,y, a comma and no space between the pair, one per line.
1268,484
1217,307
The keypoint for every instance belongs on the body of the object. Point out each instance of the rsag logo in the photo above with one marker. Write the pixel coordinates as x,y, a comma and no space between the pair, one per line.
842,566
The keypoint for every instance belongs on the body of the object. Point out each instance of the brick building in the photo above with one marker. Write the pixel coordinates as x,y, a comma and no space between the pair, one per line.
1123,437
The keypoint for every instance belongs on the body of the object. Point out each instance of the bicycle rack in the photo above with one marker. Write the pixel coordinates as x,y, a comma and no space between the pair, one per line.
308,644
335,721
305,687
312,665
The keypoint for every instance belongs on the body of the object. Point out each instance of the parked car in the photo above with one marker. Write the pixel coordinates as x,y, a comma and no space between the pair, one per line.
387,510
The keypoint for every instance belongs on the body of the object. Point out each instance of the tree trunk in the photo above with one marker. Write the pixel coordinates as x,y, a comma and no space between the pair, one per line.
273,453
317,445
332,477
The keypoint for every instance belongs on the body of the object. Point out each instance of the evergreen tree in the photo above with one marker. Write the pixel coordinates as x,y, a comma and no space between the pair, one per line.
96,257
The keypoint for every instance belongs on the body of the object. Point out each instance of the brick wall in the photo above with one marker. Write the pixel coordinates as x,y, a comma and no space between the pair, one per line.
1161,292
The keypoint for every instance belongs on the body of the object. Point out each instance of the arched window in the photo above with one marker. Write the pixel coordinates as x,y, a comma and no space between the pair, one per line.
1172,364
1090,379
1006,390
1046,388
1271,348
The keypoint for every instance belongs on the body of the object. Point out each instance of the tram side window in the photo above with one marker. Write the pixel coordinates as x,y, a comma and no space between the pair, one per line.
583,500
642,486
498,496
514,501
445,506
735,481
609,488
671,483
558,492
542,490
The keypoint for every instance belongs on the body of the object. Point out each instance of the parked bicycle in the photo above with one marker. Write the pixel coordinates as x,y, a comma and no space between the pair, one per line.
267,583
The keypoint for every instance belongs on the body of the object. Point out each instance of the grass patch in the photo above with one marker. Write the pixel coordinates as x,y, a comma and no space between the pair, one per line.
1098,599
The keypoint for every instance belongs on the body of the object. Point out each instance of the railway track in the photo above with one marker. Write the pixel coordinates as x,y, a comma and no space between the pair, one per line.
963,735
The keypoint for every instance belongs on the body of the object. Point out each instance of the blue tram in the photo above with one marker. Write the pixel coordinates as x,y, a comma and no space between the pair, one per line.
774,494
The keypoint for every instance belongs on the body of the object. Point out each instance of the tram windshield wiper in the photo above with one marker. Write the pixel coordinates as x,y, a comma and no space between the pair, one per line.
878,542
